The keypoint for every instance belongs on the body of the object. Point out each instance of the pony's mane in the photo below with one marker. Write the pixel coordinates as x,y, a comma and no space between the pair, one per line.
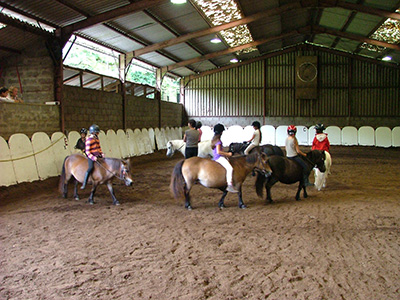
252,158
113,162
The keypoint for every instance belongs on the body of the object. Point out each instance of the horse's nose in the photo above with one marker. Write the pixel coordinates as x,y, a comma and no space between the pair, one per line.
129,182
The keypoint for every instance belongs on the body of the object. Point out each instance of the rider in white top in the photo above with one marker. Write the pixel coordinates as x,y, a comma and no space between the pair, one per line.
255,139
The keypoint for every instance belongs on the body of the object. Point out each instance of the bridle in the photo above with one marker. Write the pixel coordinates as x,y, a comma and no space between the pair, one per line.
122,173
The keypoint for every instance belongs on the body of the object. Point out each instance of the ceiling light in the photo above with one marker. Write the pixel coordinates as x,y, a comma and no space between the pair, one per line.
216,40
178,1
234,60
387,58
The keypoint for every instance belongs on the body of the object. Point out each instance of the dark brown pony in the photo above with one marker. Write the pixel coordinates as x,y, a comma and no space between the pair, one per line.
288,171
212,175
105,170
268,149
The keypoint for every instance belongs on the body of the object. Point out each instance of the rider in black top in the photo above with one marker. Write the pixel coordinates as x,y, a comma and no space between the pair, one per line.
80,144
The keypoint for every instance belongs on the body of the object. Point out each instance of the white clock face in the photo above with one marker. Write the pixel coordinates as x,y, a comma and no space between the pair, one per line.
307,72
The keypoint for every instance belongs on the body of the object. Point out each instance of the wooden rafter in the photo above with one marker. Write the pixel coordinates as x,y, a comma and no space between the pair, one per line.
350,36
235,49
183,38
109,15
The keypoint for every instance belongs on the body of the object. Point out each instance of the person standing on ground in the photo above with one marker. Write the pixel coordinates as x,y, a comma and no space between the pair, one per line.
191,138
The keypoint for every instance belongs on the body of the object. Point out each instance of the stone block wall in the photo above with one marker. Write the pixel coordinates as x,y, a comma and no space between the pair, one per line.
36,72
142,112
28,119
172,114
84,107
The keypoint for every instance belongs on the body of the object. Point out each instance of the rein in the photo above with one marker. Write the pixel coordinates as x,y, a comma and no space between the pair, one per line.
119,177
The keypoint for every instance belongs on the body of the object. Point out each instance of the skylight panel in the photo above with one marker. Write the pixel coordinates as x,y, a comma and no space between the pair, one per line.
388,32
224,11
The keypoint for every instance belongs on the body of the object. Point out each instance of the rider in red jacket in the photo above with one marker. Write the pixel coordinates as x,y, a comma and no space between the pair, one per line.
321,141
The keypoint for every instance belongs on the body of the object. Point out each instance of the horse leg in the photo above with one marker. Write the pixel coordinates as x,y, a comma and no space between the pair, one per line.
90,200
76,197
221,204
241,203
301,186
110,188
270,182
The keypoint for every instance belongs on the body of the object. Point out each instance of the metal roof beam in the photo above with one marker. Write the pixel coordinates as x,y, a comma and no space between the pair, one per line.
235,49
350,36
258,16
109,15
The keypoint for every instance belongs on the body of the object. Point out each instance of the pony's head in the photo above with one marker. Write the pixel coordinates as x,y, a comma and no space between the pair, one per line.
317,157
260,161
125,173
170,149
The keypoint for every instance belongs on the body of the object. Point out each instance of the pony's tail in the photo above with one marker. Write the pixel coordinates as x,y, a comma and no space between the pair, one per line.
177,186
62,178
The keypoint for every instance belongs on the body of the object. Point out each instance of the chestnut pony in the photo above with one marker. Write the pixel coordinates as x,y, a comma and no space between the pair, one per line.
105,170
212,175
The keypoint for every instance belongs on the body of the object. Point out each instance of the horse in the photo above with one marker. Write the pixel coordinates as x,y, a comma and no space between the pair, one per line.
288,171
211,174
320,178
105,170
268,149
205,150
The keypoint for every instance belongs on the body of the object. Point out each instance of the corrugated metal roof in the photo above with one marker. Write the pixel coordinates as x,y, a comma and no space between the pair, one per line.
163,22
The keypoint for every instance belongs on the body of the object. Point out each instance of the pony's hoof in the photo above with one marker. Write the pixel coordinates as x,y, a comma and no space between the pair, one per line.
76,198
91,202
222,206
189,207
116,203
242,206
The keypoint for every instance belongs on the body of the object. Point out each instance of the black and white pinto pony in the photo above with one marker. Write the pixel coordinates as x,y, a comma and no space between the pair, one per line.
268,149
321,177
205,150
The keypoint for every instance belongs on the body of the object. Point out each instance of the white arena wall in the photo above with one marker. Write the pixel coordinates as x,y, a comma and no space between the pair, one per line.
26,160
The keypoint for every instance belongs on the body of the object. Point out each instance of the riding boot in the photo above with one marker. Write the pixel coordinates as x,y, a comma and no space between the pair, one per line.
85,180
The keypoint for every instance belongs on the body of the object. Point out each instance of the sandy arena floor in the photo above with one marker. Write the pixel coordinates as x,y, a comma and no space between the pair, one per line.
339,243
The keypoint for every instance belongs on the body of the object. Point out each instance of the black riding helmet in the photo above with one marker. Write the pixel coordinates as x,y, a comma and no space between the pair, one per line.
94,129
83,130
319,128
198,124
219,128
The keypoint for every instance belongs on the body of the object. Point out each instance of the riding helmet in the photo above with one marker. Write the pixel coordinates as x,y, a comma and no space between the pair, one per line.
94,129
198,124
319,128
219,128
291,130
256,124
83,130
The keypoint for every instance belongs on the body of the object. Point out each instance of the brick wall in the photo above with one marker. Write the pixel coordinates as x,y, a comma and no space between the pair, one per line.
36,71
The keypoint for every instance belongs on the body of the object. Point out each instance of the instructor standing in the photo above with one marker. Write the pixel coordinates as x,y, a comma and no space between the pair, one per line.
191,138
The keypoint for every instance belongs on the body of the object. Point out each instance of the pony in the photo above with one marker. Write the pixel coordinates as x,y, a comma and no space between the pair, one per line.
205,150
105,170
288,171
268,149
211,174
320,178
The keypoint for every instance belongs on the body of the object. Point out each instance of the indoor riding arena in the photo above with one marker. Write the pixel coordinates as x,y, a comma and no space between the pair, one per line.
325,67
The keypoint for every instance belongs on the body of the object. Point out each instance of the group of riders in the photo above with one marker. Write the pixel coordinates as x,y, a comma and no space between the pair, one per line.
90,145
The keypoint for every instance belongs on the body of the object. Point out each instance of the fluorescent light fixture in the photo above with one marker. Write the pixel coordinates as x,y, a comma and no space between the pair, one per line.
178,1
234,60
387,58
216,40
2,25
